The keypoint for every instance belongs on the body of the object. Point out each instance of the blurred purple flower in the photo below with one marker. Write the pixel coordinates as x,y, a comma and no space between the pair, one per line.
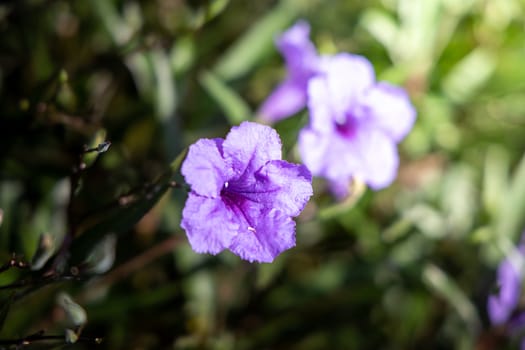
301,61
355,124
243,195
504,302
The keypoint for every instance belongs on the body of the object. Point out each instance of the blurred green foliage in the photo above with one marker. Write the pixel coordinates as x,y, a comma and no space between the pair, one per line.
408,267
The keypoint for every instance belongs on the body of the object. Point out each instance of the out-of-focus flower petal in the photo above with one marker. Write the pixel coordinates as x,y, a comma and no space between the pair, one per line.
328,155
352,130
267,240
378,155
347,78
369,154
204,168
340,187
319,104
249,146
389,108
502,304
209,224
288,99
298,51
302,63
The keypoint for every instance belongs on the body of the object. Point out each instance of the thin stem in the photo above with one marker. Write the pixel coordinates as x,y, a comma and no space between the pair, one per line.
37,284
39,336
14,262
74,180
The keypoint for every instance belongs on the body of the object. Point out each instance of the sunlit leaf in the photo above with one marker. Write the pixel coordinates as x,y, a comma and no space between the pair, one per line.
233,106
247,51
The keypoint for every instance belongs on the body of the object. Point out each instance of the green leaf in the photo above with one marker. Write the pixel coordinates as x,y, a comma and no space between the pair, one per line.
177,162
4,310
469,75
254,44
438,281
75,313
44,251
233,106
511,220
102,257
165,90
495,179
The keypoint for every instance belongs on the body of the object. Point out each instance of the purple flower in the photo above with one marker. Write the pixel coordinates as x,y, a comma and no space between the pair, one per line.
301,61
502,304
355,124
243,195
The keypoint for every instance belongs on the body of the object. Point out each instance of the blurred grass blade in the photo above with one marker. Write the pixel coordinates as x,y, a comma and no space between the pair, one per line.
75,313
255,44
182,55
382,27
44,251
165,92
233,106
467,76
177,162
140,66
215,8
117,28
102,257
459,199
205,13
495,179
4,310
438,281
511,218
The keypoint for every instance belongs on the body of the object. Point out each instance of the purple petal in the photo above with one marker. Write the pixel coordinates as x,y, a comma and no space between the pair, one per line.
347,77
288,99
288,186
379,157
302,63
390,110
312,148
340,187
268,239
298,51
249,146
327,155
501,305
319,105
209,224
367,153
516,323
204,167
333,95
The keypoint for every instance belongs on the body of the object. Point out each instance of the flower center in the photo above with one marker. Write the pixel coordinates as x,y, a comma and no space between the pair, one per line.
235,201
347,125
